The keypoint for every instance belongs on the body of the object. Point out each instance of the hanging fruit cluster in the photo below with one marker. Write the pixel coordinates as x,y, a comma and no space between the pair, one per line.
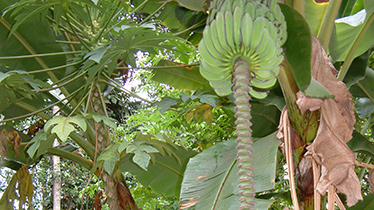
241,53
251,31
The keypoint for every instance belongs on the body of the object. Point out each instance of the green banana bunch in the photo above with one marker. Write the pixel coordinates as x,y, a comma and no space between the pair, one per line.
242,30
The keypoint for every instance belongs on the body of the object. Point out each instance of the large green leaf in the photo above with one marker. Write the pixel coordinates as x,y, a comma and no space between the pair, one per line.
298,47
345,34
34,34
359,143
265,118
185,78
165,172
211,180
357,70
365,87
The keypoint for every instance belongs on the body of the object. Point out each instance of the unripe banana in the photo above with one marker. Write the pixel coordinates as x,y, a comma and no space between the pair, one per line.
238,14
242,29
246,30
229,32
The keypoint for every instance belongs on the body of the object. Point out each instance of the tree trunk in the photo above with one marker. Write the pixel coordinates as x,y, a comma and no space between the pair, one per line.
118,195
56,189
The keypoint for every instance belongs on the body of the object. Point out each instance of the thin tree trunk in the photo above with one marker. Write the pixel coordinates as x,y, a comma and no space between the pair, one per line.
56,189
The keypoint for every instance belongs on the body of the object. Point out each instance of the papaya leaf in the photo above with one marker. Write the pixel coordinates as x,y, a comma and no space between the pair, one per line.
298,47
98,118
97,54
211,181
35,143
110,156
141,150
63,126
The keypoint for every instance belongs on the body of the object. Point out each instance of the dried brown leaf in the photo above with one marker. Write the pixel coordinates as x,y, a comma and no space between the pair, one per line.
335,129
3,143
371,180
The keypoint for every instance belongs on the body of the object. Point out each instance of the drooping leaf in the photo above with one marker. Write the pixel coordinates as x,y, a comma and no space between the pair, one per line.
335,130
19,188
185,78
211,180
167,171
63,126
298,47
317,90
14,150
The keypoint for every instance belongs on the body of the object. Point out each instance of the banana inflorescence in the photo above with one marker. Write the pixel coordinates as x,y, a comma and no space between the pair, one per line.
243,30
241,53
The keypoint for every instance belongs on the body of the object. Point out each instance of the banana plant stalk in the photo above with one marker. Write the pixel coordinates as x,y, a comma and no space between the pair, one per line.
241,53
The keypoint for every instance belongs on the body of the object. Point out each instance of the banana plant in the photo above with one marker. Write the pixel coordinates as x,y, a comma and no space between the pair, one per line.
241,53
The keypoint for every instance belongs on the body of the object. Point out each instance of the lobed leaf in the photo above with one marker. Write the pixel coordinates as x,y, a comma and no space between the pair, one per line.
63,126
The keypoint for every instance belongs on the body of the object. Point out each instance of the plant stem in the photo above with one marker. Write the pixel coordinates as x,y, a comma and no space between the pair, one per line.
37,55
244,134
350,56
71,156
325,31
51,69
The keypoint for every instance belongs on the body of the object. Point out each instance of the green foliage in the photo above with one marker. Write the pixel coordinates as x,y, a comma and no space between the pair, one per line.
211,179
167,170
63,126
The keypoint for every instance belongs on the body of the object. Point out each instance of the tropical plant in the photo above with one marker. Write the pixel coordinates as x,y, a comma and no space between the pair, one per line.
67,53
